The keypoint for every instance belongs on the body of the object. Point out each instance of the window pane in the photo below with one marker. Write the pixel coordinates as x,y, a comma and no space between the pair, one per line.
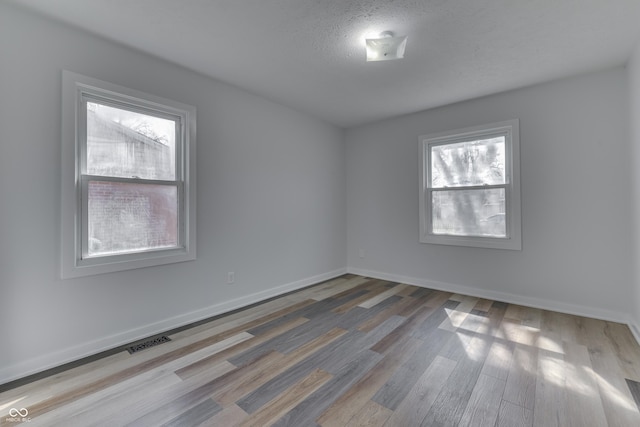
469,213
468,163
126,217
125,144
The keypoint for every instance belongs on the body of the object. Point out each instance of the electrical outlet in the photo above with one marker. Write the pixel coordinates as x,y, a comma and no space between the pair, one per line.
231,278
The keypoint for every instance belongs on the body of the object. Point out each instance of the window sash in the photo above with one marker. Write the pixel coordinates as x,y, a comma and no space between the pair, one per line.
120,102
438,142
430,207
84,215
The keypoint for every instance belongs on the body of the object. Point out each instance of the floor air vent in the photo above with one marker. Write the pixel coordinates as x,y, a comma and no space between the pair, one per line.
634,388
149,343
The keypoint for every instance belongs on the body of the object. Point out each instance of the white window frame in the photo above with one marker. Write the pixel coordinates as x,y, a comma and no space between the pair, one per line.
76,91
509,129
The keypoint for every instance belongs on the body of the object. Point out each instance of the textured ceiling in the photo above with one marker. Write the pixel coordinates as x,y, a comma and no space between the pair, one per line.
309,54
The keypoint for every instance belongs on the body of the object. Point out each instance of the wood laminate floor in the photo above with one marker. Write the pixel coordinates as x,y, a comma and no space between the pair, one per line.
356,351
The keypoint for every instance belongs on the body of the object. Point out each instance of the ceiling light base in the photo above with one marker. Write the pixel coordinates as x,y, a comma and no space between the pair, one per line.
385,48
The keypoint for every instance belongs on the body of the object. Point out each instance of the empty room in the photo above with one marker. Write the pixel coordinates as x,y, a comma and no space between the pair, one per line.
320,213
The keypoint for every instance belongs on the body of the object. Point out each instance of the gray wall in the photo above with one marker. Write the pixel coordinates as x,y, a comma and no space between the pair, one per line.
634,120
271,202
576,221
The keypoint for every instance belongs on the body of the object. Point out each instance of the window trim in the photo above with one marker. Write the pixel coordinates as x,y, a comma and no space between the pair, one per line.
75,88
508,128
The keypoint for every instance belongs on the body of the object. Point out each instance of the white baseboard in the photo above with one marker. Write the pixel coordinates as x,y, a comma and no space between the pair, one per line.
578,310
58,358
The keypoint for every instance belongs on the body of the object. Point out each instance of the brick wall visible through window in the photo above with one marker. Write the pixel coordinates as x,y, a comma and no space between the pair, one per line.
123,219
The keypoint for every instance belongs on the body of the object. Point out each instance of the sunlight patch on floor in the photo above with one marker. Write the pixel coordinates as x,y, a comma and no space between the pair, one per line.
621,400
576,381
552,370
12,403
454,319
550,344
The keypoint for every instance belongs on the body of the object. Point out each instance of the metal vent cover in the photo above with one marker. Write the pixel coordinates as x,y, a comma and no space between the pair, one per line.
148,343
634,388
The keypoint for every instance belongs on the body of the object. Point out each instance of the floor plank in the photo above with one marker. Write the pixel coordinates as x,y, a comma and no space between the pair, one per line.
417,403
198,367
230,416
484,403
405,377
370,302
521,382
550,397
370,415
583,399
452,401
511,415
352,401
617,401
288,400
313,406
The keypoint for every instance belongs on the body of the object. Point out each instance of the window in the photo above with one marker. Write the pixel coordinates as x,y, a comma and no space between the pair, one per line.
470,187
128,178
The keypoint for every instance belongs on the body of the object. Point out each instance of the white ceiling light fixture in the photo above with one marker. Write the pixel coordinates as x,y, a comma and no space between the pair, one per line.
386,48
